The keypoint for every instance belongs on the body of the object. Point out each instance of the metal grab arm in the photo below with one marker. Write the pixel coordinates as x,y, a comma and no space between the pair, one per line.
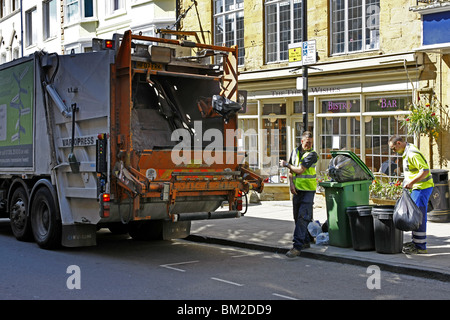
58,101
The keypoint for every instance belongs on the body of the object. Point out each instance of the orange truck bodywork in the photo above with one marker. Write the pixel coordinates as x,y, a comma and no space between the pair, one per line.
113,158
138,162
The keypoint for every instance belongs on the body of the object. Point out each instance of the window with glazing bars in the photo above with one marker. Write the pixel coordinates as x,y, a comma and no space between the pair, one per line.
229,25
355,25
283,23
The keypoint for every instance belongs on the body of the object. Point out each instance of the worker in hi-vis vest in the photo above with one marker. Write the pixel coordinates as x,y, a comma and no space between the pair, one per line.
418,178
302,184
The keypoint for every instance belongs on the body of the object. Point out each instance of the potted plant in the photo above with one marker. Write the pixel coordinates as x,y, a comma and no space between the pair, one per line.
425,120
385,190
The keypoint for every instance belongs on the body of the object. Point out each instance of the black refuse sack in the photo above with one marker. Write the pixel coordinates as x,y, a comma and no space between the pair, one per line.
407,215
345,169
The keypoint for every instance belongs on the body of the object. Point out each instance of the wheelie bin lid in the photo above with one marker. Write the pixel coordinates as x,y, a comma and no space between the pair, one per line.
363,210
357,159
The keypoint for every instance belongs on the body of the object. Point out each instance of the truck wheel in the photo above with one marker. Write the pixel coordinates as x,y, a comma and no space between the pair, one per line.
20,222
45,220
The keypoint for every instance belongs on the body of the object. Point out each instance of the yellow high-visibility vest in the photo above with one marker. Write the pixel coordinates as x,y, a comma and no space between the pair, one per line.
307,180
411,172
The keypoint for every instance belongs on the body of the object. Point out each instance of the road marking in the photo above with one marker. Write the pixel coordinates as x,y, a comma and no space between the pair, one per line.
169,266
229,282
282,296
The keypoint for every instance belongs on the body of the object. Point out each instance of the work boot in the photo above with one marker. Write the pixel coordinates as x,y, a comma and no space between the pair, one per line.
414,250
409,245
293,253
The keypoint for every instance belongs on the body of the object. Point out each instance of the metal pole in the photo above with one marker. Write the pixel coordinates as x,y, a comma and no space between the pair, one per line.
305,68
21,29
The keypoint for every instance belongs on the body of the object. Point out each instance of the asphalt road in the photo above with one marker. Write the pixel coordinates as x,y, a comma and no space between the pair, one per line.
122,268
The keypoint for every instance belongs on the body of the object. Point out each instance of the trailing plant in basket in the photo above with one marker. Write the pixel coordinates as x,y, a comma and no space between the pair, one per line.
426,119
423,120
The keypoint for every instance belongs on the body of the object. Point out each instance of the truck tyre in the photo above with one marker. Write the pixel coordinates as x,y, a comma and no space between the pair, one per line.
20,222
45,220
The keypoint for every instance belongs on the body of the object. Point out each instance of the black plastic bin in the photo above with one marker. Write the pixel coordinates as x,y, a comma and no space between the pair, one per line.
388,239
439,197
361,227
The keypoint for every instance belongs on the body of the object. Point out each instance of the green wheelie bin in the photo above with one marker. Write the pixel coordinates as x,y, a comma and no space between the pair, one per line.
339,196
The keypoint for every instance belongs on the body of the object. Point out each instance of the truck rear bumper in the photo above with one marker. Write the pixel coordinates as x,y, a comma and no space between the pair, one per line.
206,215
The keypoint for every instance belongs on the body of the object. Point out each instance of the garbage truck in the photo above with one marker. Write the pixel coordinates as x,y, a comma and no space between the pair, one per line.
139,136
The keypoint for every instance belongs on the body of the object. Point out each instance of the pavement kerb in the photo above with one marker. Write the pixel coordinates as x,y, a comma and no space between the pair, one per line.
423,272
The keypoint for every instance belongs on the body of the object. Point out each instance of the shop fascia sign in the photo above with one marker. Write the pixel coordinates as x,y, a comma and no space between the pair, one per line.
430,1
296,92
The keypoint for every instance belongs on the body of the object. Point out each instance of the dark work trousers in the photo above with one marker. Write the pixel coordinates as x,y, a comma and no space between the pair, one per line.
302,203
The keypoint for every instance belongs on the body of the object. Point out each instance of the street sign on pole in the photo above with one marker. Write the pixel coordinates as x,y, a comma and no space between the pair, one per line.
295,54
302,53
309,52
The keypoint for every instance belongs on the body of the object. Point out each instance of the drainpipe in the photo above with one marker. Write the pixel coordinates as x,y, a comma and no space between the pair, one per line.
21,29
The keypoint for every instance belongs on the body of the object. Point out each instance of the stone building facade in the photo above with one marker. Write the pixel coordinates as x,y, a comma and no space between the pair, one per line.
375,57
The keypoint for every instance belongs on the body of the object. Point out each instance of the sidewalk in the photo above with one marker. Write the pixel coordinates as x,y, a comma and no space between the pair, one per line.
269,226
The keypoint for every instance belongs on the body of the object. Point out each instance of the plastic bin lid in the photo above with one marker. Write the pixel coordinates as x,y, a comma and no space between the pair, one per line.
336,184
363,210
357,159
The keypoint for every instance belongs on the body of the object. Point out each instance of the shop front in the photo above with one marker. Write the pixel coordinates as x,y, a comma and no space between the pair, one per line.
358,113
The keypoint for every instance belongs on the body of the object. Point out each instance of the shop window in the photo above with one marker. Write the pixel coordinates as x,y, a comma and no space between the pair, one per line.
298,130
274,108
387,104
274,149
341,130
248,141
355,25
378,130
251,110
298,107
340,106
339,133
298,125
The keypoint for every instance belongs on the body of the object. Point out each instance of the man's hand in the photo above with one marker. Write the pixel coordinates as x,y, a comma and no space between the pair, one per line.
292,188
407,184
283,163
